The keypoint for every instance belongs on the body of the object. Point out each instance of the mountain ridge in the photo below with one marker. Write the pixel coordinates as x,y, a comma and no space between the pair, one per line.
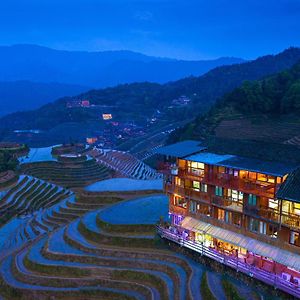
42,64
138,102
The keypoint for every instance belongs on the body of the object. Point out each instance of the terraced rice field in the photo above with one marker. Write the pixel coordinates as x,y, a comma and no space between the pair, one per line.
28,195
86,253
68,174
125,164
84,258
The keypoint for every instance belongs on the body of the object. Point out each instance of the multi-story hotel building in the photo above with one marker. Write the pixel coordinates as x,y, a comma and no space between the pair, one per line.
240,211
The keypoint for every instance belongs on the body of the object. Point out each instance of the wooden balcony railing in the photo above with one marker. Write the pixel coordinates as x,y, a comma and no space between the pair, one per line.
264,189
178,210
188,192
291,220
227,202
262,212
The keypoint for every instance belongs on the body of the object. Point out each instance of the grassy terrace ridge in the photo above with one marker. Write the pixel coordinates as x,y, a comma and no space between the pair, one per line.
125,228
143,278
230,290
205,290
8,180
17,149
101,238
68,173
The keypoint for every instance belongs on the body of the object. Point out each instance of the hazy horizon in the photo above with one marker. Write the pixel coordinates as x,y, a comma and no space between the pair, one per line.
193,30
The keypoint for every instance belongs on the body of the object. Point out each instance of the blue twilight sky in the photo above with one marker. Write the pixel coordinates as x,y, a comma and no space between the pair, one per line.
187,29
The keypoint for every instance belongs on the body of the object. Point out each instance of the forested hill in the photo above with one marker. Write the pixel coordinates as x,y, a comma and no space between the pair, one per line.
142,99
221,80
267,109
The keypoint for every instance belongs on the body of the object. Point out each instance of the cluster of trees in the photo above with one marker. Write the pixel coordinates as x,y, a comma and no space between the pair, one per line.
279,94
8,161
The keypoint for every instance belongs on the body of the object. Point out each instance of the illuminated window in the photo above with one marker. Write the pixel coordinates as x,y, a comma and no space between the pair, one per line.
262,177
273,203
178,181
196,185
180,201
235,195
243,174
196,168
252,175
197,165
295,238
221,214
203,187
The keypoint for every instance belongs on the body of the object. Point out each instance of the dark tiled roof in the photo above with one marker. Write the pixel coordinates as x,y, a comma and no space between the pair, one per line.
255,149
290,189
181,149
256,165
208,158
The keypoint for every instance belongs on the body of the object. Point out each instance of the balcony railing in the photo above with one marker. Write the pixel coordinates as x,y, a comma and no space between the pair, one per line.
228,202
291,220
265,189
188,193
275,280
262,212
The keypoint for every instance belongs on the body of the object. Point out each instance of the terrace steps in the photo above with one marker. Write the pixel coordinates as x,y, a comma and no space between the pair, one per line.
125,164
144,273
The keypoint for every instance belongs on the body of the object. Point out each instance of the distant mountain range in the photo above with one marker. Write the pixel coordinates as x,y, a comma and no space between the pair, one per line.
27,95
96,69
32,76
140,100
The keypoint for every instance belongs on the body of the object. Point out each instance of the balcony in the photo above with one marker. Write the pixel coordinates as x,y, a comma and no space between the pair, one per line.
263,212
188,193
228,203
291,220
250,187
264,189
178,210
190,174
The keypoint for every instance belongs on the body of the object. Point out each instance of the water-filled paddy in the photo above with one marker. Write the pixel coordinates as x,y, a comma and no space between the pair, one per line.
125,184
146,210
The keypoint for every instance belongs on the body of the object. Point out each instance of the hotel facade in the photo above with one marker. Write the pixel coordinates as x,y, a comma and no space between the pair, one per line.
242,212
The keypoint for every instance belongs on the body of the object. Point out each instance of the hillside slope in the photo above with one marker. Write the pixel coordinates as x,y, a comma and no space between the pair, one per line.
267,110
